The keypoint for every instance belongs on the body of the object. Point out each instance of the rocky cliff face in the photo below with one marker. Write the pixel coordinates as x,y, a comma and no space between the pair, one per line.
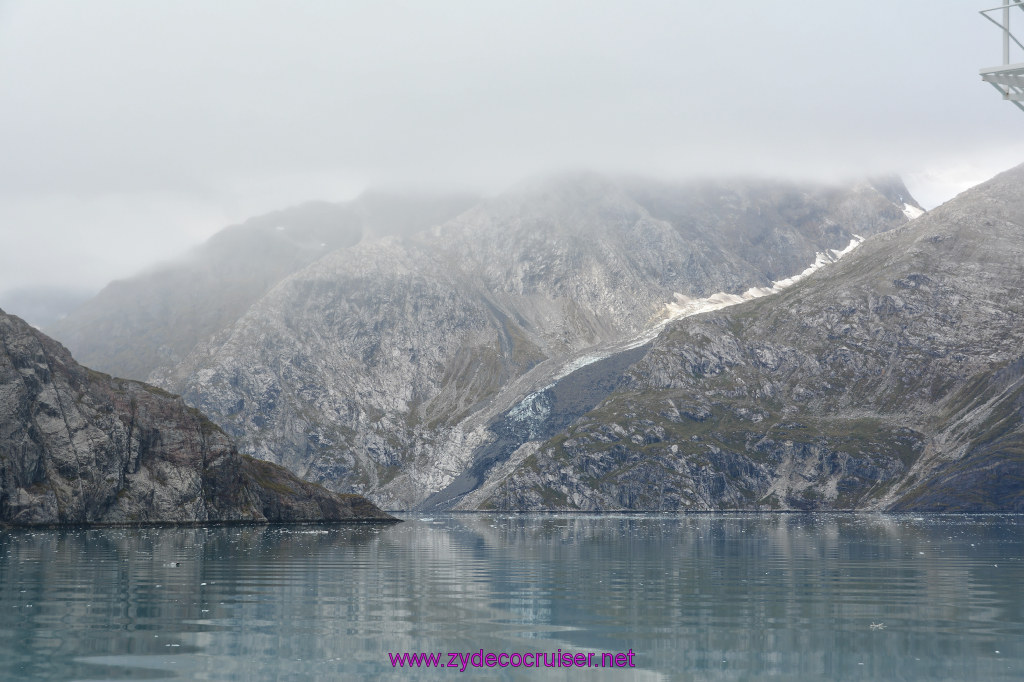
387,367
77,446
893,380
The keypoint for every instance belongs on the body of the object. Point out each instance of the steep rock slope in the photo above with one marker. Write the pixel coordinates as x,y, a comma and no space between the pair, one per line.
77,446
893,380
153,320
380,367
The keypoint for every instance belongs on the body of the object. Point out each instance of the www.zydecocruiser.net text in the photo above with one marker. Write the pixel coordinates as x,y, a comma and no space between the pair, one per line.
462,661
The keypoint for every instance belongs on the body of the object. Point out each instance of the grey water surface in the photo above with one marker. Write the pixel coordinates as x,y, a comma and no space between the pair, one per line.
694,597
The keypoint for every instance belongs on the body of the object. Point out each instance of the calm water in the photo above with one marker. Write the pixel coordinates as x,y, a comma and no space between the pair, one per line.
702,597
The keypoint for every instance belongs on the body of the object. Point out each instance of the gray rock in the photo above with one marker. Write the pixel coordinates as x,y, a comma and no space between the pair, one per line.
892,380
384,368
81,447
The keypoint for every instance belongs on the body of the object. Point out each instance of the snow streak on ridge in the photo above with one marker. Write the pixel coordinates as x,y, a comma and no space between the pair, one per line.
530,406
912,211
684,306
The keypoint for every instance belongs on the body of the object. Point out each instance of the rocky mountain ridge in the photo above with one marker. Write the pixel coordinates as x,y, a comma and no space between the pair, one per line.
892,381
382,367
81,447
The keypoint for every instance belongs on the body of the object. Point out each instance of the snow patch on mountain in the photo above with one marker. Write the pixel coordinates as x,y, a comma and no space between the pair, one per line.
684,306
912,211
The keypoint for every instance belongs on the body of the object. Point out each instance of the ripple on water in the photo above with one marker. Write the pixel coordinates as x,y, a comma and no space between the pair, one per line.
785,596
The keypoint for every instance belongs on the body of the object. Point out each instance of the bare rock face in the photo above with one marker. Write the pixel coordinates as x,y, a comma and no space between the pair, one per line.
398,367
381,367
81,447
893,380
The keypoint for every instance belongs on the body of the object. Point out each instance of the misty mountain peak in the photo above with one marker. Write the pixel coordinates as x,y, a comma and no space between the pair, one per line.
893,380
381,366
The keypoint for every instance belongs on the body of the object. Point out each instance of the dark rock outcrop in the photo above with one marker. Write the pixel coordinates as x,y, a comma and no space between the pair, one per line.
81,447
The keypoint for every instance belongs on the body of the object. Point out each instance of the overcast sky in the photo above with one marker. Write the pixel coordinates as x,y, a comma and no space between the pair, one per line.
131,130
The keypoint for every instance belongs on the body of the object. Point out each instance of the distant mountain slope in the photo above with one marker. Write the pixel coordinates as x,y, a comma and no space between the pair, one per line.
892,380
155,319
77,446
380,367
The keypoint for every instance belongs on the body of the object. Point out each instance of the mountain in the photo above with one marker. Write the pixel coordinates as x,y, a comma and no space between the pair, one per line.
892,380
81,447
155,319
393,366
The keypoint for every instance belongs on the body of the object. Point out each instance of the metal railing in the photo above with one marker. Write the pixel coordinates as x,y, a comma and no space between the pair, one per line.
1007,78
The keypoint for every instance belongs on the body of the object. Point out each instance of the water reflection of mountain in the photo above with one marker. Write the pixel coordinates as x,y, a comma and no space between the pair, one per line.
783,594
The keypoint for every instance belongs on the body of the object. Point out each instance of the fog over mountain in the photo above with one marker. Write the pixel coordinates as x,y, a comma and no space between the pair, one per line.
384,365
543,349
891,380
469,255
134,131
155,319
